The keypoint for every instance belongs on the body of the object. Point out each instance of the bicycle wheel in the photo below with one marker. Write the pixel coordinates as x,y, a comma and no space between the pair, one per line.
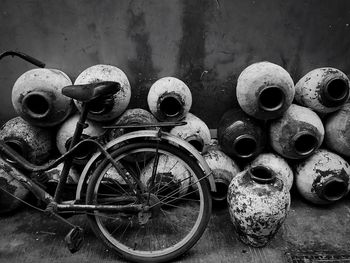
179,199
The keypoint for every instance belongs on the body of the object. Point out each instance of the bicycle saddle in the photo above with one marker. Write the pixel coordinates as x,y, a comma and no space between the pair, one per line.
87,92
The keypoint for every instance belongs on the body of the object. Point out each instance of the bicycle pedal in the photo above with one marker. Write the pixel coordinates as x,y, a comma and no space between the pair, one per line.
74,239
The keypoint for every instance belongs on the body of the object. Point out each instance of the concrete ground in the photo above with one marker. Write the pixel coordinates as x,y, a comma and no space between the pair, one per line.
310,234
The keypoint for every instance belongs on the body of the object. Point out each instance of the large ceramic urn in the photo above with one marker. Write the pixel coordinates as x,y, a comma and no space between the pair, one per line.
258,205
37,97
297,134
265,90
323,90
239,135
323,178
169,99
33,143
106,108
196,132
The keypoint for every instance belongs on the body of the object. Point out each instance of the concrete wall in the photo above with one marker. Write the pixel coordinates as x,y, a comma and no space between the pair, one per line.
205,43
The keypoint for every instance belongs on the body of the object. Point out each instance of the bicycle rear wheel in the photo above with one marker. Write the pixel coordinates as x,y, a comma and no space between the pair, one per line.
179,199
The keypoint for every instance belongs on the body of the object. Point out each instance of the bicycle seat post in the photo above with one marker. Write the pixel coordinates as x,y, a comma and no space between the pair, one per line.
81,125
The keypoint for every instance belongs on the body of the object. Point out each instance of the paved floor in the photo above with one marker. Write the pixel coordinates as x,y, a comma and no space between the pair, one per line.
28,236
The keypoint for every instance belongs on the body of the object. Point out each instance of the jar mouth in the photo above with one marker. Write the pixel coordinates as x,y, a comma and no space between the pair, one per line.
37,104
83,152
271,98
101,105
221,190
333,190
171,105
305,143
17,146
261,174
245,146
335,92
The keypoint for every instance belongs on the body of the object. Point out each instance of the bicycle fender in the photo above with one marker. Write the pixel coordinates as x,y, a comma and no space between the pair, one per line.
147,134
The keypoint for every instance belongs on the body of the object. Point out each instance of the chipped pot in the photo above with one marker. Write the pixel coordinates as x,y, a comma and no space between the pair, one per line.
196,132
103,109
224,169
33,143
169,99
337,126
258,205
239,135
54,174
265,90
323,178
297,134
37,97
323,90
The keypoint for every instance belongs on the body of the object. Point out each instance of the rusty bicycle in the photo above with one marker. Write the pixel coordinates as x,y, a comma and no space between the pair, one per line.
146,194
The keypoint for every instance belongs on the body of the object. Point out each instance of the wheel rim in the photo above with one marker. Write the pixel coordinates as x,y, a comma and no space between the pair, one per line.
158,227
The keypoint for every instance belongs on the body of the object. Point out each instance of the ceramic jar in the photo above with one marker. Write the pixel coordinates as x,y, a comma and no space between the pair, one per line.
265,90
196,132
169,99
337,126
99,111
33,143
323,90
37,97
11,185
224,169
239,135
278,165
297,134
323,178
258,205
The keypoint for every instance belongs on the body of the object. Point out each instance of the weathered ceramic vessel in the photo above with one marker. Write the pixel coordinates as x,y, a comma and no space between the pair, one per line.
323,178
224,169
239,135
65,134
323,90
278,165
258,205
297,134
196,132
131,117
102,109
169,99
37,97
265,90
54,175
11,185
337,126
33,143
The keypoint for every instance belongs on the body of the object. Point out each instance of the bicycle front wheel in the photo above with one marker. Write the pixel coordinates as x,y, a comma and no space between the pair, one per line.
178,196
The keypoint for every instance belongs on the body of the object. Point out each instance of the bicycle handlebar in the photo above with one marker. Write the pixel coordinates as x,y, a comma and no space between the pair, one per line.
24,56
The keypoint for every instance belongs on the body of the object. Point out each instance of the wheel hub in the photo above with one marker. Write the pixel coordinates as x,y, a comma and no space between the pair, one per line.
152,208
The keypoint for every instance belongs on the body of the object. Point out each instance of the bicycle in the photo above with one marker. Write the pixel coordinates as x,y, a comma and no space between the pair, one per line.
135,199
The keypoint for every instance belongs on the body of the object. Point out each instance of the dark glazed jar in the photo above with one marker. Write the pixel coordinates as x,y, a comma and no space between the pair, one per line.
239,135
265,90
323,90
258,205
297,134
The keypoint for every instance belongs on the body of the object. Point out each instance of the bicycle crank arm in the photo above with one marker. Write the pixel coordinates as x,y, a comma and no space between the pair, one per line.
101,208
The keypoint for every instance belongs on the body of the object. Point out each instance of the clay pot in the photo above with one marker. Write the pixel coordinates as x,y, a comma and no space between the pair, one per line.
8,183
265,90
196,132
37,97
323,90
258,205
169,99
54,174
297,134
171,175
323,178
131,117
239,135
99,109
224,169
278,165
337,126
65,134
33,143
